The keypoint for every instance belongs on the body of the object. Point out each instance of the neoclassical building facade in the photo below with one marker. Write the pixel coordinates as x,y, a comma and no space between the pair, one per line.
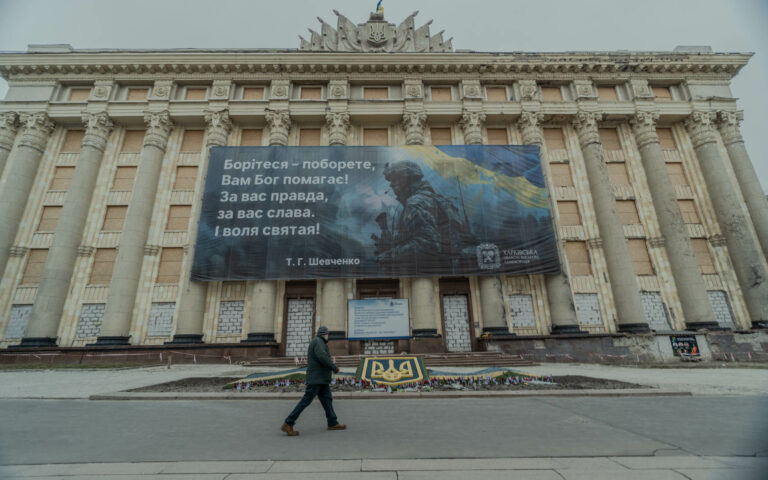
661,222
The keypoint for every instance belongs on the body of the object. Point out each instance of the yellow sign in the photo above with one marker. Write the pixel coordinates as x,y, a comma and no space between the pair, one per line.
395,370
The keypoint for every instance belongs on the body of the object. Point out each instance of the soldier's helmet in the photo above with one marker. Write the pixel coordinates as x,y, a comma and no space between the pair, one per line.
403,172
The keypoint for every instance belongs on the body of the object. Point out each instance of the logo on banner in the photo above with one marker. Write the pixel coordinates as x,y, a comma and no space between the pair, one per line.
488,256
392,370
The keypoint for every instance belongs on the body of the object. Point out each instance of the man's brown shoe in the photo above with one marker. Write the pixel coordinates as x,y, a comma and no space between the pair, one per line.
338,426
288,429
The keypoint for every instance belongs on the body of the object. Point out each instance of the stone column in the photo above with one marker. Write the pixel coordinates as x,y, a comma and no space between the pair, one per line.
626,294
116,324
191,310
60,263
747,258
561,305
751,190
491,295
22,171
690,285
8,123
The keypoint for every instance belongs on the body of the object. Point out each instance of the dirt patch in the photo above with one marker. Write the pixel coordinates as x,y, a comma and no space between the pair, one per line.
217,384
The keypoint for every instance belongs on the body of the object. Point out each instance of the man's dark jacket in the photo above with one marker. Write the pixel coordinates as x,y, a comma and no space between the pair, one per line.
320,366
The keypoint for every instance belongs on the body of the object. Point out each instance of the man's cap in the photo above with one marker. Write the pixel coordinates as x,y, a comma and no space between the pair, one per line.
405,170
322,330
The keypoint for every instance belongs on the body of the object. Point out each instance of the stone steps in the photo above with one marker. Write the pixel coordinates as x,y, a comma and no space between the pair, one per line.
474,359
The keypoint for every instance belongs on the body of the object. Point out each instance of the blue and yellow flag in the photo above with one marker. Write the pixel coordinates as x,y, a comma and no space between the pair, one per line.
379,8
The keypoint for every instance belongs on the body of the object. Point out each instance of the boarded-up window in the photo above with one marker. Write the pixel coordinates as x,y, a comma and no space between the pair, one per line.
496,94
124,177
375,136
62,178
662,94
497,136
103,265
35,264
311,93
628,212
170,265
551,94
375,93
193,141
554,139
561,174
440,94
195,93
178,217
253,93
441,136
701,249
609,137
137,94
607,94
114,218
578,258
185,178
688,209
618,173
48,219
251,137
133,141
72,141
638,253
569,213
79,94
309,137
666,139
676,174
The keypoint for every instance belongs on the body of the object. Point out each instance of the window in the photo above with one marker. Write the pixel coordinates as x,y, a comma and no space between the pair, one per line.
253,93
114,218
569,213
617,172
688,209
676,174
609,137
662,94
666,139
178,217
49,219
440,94
607,94
79,94
170,265
35,264
441,136
73,141
638,253
701,249
62,178
375,93
251,137
628,212
496,94
309,137
124,177
554,139
551,94
497,136
103,265
185,178
375,136
195,93
193,141
311,93
137,94
578,258
133,141
561,174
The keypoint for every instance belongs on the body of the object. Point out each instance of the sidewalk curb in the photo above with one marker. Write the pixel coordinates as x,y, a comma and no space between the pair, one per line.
634,392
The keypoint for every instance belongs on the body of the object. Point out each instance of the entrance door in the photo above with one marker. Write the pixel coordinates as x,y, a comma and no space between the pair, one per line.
299,326
458,337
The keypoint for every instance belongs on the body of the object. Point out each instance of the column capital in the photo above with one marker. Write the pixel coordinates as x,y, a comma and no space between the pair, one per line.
529,124
9,122
585,123
728,123
159,128
98,127
644,127
218,126
413,124
338,127
472,125
279,122
699,126
37,128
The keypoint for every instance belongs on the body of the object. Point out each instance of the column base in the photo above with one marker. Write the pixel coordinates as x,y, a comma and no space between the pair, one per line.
760,324
495,331
337,335
102,341
567,330
32,342
186,339
259,337
424,333
634,328
703,326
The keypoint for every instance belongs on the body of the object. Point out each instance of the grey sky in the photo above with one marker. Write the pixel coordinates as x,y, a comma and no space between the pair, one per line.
484,25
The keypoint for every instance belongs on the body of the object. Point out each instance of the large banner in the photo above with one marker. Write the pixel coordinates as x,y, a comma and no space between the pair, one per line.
363,212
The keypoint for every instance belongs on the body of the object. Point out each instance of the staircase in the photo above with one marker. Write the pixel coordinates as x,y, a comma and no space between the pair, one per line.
469,359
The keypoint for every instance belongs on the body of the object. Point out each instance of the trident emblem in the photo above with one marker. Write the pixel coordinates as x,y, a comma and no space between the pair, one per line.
391,374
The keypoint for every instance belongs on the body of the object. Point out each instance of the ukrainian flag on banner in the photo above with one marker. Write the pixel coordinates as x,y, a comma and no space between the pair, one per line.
379,8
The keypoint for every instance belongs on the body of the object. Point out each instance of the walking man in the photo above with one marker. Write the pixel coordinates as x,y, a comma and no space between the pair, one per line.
319,369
